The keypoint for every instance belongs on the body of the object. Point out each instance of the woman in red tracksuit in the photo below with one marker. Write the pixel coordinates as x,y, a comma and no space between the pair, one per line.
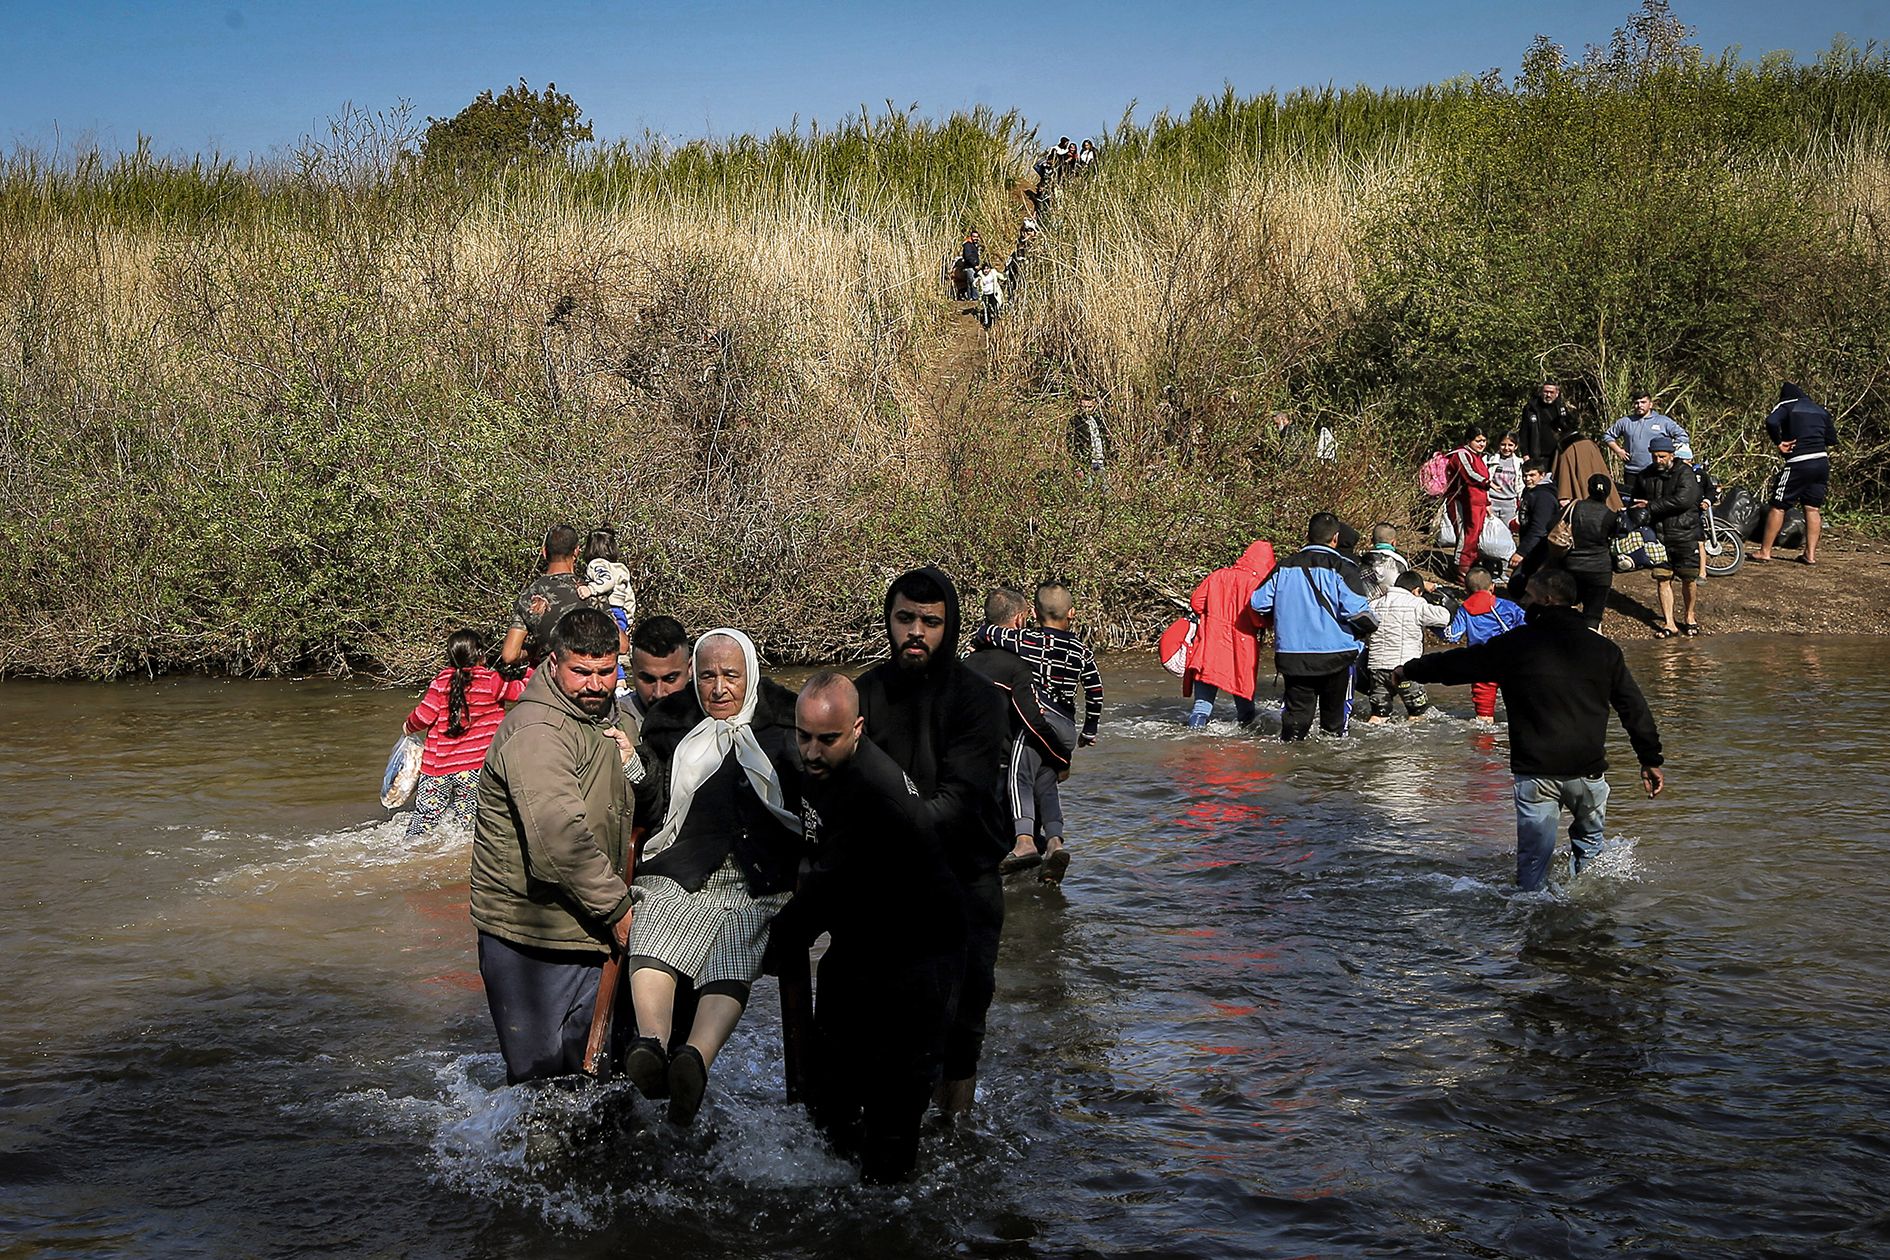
1468,499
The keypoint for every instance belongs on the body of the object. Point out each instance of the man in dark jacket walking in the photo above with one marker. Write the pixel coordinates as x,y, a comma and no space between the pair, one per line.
1558,679
1670,491
881,887
946,727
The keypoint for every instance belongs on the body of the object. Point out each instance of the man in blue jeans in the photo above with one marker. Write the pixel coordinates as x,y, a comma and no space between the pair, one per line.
1558,680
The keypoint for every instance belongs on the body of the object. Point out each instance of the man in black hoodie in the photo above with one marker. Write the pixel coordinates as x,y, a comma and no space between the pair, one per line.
1558,680
947,728
895,960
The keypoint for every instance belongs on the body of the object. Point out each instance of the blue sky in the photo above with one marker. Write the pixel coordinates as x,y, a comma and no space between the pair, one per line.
249,78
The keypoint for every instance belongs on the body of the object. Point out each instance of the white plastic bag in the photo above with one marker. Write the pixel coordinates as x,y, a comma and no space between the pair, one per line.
1446,530
1496,541
403,771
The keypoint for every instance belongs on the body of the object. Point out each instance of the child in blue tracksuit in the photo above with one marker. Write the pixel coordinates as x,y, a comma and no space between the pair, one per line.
1481,617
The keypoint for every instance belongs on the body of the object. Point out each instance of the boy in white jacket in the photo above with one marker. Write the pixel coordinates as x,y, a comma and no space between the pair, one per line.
1403,613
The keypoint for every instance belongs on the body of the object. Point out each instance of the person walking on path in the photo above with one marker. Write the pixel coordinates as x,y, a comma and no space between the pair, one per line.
1225,656
1558,679
1590,558
1319,622
460,714
1804,433
1468,500
549,845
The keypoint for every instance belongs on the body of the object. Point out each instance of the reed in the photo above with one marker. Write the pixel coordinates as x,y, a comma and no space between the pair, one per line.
313,414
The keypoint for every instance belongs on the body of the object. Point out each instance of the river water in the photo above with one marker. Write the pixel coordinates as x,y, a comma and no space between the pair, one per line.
1286,1003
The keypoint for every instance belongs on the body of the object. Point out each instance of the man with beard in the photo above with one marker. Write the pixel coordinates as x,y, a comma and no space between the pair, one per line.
553,828
894,962
947,728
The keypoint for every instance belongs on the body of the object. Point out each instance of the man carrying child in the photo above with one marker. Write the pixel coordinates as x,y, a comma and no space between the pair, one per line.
1062,663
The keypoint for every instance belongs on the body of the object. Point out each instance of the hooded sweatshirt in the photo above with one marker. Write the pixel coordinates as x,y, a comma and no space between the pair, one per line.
1482,616
1803,422
1226,648
948,728
553,826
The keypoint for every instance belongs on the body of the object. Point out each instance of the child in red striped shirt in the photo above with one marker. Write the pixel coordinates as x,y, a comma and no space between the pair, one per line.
460,714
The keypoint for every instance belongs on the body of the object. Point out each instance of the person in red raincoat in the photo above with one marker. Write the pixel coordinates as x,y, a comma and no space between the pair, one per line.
1468,499
1226,651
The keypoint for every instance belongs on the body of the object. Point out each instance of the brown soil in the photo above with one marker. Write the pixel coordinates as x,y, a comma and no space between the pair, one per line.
1846,592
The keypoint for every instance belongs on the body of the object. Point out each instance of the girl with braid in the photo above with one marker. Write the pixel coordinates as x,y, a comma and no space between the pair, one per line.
460,714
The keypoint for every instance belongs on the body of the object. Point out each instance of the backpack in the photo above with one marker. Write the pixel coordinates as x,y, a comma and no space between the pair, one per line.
1433,476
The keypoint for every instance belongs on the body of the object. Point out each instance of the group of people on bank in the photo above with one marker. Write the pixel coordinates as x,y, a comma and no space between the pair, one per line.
671,805
1549,496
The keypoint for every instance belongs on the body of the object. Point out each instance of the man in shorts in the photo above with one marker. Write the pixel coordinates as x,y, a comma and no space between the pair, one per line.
1803,432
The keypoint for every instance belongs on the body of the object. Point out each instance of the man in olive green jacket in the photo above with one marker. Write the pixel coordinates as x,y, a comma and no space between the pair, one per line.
548,893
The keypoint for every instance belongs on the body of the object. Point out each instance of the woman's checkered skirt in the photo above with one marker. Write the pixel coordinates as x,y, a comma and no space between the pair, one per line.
718,933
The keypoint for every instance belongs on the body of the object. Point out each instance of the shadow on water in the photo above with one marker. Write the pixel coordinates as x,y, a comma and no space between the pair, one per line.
1286,1003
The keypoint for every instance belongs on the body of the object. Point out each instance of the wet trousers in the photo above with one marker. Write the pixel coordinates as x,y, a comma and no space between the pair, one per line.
541,1001
1328,695
880,1054
1539,806
984,924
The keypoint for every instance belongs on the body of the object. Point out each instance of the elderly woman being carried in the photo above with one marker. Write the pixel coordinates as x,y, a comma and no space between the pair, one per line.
721,797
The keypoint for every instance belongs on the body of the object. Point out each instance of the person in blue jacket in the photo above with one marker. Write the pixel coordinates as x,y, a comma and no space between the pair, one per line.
1320,621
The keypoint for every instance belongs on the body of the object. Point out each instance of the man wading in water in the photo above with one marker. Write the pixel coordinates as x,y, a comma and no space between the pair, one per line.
553,828
887,978
947,728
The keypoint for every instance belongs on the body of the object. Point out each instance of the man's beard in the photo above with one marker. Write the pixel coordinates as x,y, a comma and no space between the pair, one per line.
909,660
595,705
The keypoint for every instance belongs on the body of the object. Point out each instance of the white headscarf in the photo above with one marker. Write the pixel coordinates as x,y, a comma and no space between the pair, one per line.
706,746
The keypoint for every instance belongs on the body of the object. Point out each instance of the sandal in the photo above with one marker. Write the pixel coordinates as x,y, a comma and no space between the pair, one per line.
1691,630
1015,862
1661,632
1055,865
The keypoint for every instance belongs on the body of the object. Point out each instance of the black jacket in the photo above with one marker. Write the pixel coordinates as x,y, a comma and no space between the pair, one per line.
1558,680
1595,526
1538,432
1538,511
1014,676
726,816
948,728
1673,503
880,883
